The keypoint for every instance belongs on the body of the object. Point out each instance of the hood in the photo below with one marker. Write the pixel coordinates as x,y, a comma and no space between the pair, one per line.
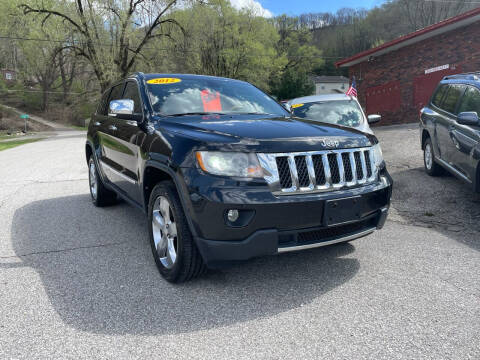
272,134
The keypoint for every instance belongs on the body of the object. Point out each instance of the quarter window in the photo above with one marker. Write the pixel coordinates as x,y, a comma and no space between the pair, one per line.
451,99
470,101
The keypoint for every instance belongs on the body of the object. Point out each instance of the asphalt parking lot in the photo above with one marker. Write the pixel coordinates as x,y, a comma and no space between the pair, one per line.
80,282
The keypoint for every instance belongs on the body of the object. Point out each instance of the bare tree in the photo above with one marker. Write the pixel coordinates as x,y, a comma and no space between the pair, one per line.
421,14
110,34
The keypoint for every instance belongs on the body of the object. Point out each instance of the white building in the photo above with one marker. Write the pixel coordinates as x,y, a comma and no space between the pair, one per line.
330,84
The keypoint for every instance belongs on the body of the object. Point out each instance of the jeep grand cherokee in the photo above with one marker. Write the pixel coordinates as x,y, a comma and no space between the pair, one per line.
225,173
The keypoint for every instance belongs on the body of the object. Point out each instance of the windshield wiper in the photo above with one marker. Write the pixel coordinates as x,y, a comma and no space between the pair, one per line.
197,113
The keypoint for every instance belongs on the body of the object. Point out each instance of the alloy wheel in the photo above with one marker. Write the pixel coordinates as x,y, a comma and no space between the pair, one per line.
164,231
428,157
93,180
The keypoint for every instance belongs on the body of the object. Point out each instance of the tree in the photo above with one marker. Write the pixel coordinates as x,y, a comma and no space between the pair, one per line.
109,34
301,59
219,40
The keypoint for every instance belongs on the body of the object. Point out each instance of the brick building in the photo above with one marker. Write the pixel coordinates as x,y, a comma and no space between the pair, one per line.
397,78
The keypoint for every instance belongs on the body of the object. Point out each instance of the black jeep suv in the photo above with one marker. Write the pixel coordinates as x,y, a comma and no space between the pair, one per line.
450,129
224,172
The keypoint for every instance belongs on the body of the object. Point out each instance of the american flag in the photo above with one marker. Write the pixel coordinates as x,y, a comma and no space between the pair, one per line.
352,91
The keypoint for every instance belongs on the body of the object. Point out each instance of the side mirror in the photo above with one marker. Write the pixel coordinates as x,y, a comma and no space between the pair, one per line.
123,106
372,119
123,109
468,118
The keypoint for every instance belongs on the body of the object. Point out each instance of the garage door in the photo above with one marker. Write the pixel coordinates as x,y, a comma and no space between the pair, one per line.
424,85
384,98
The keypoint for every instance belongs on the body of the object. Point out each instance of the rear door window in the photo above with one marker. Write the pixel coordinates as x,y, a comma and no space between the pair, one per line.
451,98
470,101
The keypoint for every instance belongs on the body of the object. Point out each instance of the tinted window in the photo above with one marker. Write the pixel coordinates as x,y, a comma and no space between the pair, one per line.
470,101
344,112
437,98
131,92
170,96
116,94
102,106
451,99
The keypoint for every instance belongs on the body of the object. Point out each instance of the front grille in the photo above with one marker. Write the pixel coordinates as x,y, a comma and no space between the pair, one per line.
302,171
284,172
319,235
318,171
332,233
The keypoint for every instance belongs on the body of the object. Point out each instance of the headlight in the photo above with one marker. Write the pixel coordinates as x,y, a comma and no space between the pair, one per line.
229,164
377,155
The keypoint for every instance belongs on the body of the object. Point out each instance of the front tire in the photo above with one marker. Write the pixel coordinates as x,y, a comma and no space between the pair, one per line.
174,250
431,166
101,196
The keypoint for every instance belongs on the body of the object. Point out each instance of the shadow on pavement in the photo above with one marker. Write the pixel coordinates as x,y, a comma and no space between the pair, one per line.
100,277
443,203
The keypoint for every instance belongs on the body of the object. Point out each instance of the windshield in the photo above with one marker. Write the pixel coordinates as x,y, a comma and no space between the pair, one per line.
174,96
341,112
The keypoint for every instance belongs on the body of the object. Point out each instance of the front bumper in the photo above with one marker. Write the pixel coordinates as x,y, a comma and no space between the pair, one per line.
279,224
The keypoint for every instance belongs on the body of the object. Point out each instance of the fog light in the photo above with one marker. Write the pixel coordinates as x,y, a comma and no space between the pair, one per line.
232,215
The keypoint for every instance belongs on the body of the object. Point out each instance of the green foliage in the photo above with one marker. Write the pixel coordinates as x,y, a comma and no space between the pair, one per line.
221,41
292,84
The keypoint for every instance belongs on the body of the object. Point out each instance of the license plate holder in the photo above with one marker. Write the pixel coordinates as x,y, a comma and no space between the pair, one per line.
341,211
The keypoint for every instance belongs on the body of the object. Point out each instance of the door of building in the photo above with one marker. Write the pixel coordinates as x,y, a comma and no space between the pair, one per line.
424,85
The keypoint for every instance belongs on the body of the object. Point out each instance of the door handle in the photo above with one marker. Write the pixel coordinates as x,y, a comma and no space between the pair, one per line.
96,123
112,127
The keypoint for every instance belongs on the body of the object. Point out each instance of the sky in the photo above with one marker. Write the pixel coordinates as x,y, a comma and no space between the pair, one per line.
270,8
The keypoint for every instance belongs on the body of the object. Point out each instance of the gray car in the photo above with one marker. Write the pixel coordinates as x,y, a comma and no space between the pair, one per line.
338,109
450,129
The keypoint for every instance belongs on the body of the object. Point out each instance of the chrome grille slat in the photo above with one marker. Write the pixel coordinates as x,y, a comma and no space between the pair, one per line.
306,172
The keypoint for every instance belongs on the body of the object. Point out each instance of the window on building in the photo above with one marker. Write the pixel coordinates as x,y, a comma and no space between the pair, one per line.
437,98
8,76
470,101
451,98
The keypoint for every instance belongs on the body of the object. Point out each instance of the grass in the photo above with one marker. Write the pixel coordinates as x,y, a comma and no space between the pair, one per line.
4,136
10,144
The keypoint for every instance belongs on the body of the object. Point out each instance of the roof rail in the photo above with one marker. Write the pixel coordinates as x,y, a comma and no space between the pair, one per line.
465,76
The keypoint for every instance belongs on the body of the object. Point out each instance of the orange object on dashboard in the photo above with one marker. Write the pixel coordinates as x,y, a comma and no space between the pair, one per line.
211,101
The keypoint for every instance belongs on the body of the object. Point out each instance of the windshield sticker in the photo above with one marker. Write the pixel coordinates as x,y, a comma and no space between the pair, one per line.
294,106
211,101
163,81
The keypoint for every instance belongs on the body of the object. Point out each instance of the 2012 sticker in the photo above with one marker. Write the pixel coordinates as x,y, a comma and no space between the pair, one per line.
296,106
163,81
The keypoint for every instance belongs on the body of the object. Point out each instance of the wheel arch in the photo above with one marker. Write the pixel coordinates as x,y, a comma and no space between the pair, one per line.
88,151
155,172
425,136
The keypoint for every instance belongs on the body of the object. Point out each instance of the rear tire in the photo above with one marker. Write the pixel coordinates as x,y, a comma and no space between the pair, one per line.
173,247
101,196
431,166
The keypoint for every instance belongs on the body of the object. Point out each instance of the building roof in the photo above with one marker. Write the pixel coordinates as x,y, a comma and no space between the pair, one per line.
330,79
430,31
